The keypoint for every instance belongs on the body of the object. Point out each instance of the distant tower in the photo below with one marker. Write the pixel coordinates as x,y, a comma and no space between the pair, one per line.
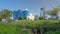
42,12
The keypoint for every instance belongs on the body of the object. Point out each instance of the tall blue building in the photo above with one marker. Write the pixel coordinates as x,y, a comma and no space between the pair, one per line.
24,13
16,14
20,13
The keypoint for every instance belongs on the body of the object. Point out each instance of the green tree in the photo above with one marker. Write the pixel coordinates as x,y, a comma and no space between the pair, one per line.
5,14
0,17
41,17
19,18
54,12
25,18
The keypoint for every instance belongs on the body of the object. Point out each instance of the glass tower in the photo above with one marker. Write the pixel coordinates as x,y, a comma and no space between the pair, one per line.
19,13
24,13
16,14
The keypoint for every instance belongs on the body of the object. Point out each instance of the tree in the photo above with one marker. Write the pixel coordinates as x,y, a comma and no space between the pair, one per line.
5,14
0,17
19,18
41,17
54,12
25,18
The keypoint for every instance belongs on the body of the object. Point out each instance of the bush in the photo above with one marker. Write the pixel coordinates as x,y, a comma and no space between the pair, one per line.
25,18
40,18
52,19
25,32
16,28
19,18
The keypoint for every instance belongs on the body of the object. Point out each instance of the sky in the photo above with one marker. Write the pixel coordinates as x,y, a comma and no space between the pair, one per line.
33,6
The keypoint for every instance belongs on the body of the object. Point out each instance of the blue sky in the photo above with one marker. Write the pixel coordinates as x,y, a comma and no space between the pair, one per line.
33,6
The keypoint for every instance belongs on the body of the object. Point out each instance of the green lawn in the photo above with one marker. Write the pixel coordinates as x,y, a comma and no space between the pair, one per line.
6,29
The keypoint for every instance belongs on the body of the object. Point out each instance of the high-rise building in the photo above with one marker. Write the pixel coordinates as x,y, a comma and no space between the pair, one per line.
24,13
16,14
42,13
20,13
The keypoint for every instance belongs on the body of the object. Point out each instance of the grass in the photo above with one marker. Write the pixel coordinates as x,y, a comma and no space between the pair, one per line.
6,29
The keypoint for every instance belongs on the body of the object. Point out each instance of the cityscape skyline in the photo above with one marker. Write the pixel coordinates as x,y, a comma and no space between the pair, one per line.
33,6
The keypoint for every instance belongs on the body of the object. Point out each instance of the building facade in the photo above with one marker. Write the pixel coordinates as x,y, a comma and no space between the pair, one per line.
20,13
24,14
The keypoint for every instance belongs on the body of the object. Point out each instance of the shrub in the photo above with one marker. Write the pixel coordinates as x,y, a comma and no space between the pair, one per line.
19,18
40,18
25,18
52,19
49,25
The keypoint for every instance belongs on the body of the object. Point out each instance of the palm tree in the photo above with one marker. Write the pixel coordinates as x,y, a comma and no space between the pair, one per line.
54,12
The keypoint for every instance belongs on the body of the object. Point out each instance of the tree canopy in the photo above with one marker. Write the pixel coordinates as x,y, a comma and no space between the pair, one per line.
54,11
5,13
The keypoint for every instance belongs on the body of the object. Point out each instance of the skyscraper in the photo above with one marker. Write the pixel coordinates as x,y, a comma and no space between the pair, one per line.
24,13
16,14
20,13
